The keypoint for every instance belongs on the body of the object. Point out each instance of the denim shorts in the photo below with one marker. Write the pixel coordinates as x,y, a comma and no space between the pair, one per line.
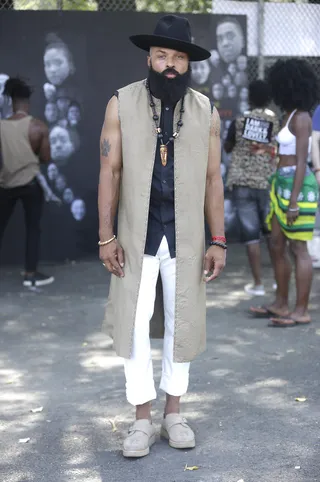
251,207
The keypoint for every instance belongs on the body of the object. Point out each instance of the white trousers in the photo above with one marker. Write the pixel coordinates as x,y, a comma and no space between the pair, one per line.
138,369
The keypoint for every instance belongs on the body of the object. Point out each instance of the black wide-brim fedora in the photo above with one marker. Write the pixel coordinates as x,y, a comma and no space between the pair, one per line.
172,32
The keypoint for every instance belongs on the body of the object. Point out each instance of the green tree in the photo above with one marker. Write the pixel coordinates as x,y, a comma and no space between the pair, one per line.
194,6
78,4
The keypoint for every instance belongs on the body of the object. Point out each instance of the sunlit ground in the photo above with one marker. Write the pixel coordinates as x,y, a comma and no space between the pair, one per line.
241,402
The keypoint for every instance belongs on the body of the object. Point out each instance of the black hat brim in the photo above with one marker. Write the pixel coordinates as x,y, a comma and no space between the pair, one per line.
195,52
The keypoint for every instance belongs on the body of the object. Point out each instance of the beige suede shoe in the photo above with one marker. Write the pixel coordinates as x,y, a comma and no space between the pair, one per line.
176,429
141,436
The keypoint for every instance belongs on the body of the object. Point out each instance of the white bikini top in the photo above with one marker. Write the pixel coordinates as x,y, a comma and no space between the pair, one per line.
287,141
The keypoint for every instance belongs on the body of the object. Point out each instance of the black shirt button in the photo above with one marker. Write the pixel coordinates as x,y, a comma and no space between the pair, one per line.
164,181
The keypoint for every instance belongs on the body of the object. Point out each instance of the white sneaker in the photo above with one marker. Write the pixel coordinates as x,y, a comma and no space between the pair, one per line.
257,290
274,286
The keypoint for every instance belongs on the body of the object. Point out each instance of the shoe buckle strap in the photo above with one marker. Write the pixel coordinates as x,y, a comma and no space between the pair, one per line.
182,421
138,427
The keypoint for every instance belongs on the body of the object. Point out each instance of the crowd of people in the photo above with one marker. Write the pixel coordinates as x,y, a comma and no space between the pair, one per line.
275,190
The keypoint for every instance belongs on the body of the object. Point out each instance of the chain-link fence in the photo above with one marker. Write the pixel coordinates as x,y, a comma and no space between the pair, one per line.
274,29
194,6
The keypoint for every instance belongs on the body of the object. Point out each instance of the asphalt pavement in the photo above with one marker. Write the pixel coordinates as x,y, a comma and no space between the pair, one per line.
253,399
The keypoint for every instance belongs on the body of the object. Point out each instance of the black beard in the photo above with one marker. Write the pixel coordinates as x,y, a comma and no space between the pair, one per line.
168,90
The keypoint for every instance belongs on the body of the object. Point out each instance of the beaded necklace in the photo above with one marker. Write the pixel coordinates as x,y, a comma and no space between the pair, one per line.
156,118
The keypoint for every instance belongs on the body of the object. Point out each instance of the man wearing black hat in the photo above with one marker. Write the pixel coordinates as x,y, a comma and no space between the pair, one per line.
160,169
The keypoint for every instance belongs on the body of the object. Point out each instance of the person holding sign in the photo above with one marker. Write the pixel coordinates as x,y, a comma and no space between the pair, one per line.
249,172
294,191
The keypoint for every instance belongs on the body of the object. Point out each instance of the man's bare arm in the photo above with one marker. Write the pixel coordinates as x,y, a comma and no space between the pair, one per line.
110,170
214,200
111,254
215,257
301,128
316,153
39,139
45,151
316,149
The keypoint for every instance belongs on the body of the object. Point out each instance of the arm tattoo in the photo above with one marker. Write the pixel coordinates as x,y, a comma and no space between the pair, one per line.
215,123
105,147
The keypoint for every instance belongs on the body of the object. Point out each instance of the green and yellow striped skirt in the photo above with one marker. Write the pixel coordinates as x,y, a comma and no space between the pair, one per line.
280,193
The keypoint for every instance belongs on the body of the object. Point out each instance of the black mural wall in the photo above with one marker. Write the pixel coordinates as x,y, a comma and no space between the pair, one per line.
75,61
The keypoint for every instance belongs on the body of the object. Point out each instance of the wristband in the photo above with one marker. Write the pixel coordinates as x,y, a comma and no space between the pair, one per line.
218,243
219,238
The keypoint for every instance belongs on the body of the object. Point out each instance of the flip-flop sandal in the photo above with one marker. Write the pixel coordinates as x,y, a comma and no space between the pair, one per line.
285,322
262,314
282,322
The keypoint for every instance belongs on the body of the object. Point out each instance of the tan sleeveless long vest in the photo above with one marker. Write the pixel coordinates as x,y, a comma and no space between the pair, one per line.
190,165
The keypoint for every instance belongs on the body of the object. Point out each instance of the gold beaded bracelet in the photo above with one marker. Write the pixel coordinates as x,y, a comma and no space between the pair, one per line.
104,243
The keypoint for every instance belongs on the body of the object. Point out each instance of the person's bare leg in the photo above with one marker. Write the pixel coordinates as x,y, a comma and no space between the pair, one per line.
303,265
270,250
143,412
282,269
172,404
254,256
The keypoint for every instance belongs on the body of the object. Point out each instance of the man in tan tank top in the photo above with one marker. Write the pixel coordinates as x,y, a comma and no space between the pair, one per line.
24,144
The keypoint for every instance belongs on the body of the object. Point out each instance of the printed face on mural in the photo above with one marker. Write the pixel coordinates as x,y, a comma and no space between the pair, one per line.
78,209
52,172
74,115
230,40
61,145
5,102
3,80
226,80
51,113
63,105
200,71
217,91
215,58
243,106
244,93
49,92
68,196
61,183
232,91
58,65
242,62
232,69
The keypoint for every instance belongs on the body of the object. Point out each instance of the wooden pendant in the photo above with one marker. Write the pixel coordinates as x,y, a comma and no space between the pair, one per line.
164,154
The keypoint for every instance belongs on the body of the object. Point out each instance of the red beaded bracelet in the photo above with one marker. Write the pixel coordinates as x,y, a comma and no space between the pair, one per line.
273,152
219,238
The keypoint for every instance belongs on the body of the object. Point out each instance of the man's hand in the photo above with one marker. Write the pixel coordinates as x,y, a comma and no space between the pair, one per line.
318,177
112,257
214,262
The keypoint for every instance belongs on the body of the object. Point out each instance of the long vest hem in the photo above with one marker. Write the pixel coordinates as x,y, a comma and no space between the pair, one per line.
191,150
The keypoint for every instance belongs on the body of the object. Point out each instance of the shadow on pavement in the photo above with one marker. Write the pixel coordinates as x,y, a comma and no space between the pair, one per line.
241,401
